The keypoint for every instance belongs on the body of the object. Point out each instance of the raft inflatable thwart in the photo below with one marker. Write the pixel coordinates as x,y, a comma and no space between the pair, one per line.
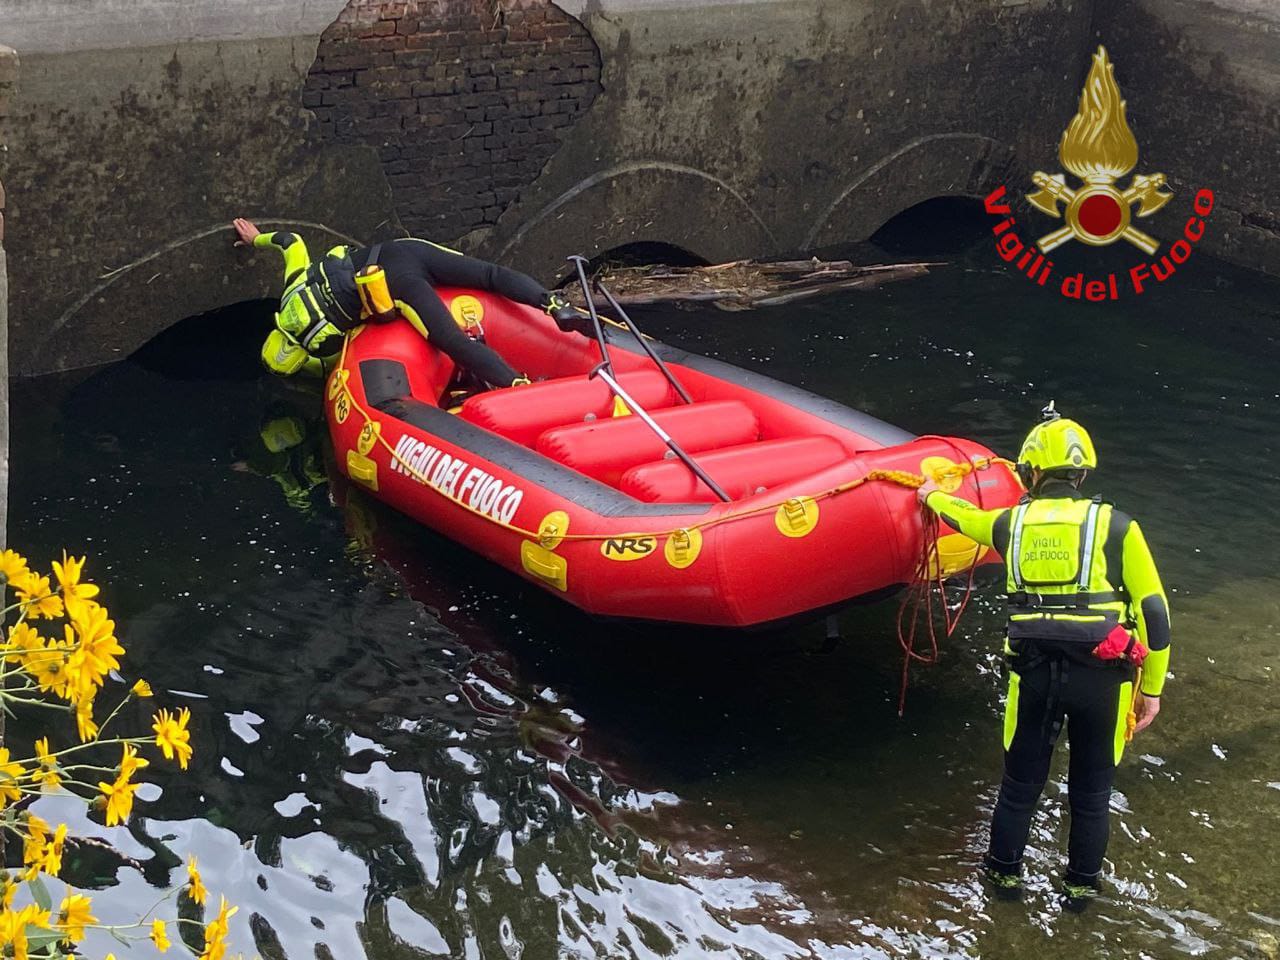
563,483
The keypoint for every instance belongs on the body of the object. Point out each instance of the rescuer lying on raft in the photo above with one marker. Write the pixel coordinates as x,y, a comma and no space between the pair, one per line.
349,286
1086,609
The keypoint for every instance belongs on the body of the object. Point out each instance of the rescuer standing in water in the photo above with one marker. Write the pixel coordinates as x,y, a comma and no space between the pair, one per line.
1088,621
353,285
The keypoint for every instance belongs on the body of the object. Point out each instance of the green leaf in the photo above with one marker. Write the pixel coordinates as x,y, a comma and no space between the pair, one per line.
38,939
40,893
119,936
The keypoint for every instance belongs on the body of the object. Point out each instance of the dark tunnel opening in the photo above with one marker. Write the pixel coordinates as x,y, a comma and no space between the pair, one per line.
222,344
643,253
940,225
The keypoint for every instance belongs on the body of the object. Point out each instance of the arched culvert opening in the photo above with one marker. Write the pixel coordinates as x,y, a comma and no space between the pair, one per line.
640,254
223,344
939,225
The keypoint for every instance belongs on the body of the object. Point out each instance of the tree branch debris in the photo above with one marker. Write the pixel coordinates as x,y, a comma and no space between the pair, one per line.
745,284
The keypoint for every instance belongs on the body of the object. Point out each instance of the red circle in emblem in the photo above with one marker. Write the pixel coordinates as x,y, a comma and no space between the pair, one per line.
1099,215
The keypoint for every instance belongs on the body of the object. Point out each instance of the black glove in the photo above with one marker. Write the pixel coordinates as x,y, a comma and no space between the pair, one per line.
569,318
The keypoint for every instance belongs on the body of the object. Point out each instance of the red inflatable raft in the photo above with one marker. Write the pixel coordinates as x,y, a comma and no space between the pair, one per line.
562,483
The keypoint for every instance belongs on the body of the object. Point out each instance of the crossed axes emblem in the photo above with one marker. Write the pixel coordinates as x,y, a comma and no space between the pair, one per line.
1109,209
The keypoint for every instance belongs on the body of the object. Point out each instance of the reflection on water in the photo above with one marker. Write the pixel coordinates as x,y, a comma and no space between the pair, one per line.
403,752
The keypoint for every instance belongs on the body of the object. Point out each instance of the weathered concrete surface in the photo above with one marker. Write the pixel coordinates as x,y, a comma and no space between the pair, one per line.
774,127
60,26
730,128
124,168
1203,84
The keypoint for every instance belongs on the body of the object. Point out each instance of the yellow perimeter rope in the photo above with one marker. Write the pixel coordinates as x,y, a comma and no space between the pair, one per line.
902,478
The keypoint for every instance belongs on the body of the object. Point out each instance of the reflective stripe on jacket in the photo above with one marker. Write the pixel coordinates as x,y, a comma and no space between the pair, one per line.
1057,572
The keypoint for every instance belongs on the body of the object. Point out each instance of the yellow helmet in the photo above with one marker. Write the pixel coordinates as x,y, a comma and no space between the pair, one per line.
1058,444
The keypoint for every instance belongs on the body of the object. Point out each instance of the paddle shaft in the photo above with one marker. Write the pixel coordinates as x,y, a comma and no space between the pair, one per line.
665,437
635,331
580,263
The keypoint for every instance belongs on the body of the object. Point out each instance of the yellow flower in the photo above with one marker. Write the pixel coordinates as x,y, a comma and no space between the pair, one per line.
12,565
224,914
7,889
82,676
158,935
96,636
141,689
130,762
10,774
13,932
49,667
13,928
215,933
39,852
68,573
172,735
119,798
85,726
46,773
197,890
23,639
51,857
74,916
37,597
33,842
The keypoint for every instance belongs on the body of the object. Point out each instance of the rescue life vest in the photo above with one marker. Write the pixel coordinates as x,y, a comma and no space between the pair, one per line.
1056,572
314,314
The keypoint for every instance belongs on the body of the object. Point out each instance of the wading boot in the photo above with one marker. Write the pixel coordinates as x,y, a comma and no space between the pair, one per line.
1076,896
1006,886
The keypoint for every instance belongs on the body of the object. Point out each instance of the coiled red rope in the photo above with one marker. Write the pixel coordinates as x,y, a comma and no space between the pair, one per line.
921,599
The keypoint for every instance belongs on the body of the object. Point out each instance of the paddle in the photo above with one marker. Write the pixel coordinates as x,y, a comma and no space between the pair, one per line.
604,370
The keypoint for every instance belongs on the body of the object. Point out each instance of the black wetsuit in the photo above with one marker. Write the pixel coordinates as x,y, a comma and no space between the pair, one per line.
415,267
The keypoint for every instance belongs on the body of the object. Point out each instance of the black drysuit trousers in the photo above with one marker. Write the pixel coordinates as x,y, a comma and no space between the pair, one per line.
415,267
1047,691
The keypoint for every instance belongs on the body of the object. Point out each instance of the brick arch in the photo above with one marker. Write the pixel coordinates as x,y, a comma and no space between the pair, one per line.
464,100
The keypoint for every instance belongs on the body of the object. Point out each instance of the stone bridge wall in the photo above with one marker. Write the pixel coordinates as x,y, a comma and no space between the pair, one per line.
526,130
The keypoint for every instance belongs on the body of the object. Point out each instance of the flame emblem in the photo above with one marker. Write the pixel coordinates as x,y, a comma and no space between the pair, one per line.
1099,148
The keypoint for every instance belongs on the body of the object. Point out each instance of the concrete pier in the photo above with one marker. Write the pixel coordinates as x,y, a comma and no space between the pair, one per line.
8,85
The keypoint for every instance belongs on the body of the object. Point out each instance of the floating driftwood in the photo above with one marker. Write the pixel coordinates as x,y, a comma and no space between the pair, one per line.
744,284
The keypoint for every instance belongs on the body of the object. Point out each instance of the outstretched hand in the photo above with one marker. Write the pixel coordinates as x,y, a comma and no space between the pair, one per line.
926,488
1147,708
246,230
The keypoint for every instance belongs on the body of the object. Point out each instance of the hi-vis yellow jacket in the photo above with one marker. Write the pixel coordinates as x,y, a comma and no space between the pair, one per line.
307,335
1075,569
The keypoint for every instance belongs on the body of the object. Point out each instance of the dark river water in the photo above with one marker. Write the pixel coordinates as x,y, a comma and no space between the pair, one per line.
401,752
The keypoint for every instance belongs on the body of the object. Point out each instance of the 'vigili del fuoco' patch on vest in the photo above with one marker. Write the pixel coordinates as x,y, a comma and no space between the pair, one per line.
1098,149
